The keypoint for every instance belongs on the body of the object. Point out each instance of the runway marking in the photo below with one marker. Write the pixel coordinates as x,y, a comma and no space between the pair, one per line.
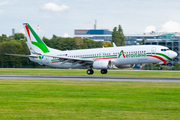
89,78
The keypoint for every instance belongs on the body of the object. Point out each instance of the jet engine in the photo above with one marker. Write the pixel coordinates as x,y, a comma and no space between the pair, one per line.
102,64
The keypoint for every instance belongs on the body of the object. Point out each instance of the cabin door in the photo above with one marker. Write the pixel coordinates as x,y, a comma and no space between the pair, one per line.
46,60
153,51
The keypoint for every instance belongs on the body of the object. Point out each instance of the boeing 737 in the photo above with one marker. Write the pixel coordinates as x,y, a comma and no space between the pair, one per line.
98,58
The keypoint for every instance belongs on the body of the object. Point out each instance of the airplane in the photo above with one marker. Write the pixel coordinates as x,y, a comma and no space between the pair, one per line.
98,58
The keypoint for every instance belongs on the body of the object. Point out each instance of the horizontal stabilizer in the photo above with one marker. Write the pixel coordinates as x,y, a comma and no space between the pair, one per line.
32,56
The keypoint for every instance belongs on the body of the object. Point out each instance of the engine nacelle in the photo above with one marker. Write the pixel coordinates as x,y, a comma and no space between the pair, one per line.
102,64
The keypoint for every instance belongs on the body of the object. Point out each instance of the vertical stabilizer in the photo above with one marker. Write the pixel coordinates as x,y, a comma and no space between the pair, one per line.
35,44
30,49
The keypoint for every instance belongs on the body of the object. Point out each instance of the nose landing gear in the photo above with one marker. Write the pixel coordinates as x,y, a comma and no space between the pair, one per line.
160,68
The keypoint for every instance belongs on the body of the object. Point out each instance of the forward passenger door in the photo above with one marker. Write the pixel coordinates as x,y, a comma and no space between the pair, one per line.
153,51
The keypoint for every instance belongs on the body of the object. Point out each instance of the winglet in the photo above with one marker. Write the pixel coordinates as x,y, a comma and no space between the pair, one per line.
114,45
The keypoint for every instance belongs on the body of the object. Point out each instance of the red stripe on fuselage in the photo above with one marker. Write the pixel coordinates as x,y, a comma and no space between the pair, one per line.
56,61
157,58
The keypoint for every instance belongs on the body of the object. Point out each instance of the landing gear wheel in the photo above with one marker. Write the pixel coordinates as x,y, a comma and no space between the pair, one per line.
104,71
90,72
160,68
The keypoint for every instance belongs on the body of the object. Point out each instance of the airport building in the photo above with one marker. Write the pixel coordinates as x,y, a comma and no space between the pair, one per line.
103,35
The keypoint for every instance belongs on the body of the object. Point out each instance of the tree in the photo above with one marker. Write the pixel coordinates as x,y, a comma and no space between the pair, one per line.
19,36
118,36
107,44
78,40
121,36
143,41
48,42
115,37
3,38
176,65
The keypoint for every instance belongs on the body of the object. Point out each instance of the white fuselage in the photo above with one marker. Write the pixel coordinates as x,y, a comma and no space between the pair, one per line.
118,55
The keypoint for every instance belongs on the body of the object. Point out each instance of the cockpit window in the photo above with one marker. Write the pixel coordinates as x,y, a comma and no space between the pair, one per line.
165,49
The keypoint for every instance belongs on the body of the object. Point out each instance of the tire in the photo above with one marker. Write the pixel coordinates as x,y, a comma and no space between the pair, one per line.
160,68
103,71
90,72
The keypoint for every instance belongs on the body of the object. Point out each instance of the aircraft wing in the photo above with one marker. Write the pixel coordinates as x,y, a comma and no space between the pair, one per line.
32,56
72,60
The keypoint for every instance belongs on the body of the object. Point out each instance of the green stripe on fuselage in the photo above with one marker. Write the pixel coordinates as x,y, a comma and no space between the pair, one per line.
160,55
55,60
100,56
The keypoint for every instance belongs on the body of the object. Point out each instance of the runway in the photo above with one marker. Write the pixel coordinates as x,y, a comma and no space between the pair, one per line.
89,78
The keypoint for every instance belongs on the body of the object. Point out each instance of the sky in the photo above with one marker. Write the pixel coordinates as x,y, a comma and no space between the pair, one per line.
62,17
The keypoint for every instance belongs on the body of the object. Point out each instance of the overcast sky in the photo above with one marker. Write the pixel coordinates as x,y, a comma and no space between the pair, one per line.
61,17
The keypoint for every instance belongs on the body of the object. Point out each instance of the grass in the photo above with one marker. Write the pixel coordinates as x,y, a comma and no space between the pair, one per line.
93,100
75,72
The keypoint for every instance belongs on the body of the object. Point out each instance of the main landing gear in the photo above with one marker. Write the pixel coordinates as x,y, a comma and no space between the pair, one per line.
103,71
90,71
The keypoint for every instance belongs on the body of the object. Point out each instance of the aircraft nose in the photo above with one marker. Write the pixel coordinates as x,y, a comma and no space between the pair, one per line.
173,54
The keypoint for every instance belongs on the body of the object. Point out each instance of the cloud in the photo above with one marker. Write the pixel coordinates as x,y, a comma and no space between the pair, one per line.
150,29
66,35
4,3
1,11
54,7
168,27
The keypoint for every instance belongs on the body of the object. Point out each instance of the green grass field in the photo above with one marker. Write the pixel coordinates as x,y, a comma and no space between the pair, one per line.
82,72
51,100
